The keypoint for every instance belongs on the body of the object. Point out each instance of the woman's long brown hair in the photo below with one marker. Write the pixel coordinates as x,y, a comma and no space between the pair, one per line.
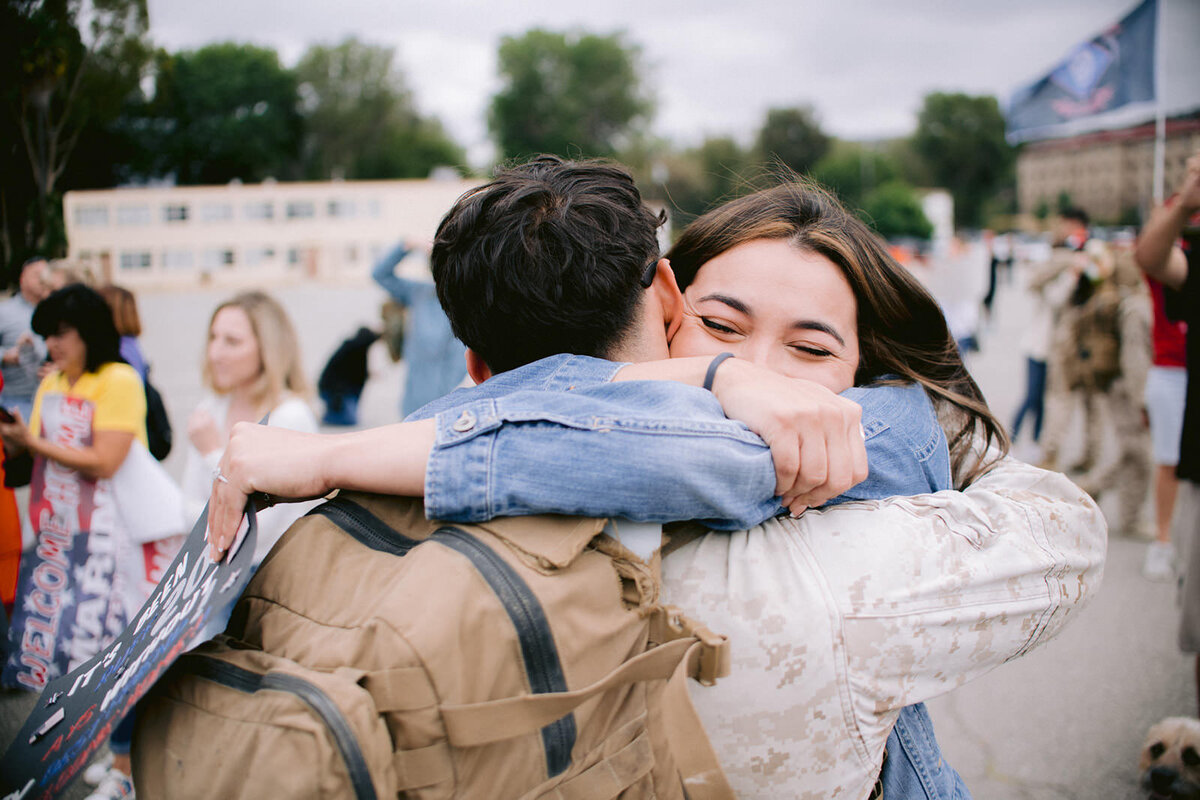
901,329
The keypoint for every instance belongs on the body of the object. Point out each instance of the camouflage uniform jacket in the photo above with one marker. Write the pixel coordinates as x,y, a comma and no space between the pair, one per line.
835,628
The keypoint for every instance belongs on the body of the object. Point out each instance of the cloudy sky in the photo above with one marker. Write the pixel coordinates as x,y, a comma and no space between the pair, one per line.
714,68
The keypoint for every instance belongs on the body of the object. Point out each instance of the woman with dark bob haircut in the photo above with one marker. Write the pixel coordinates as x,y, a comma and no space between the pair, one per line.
88,414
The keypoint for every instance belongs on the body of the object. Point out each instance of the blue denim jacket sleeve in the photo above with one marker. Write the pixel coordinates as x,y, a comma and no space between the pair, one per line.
906,447
384,274
652,451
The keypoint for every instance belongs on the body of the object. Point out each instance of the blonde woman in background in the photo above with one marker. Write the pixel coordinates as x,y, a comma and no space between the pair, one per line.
252,369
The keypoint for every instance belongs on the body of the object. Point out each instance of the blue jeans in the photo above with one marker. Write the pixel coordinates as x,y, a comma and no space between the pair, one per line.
340,409
915,769
120,741
1035,398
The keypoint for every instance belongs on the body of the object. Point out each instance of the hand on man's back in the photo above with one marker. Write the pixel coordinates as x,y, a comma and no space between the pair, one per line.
815,436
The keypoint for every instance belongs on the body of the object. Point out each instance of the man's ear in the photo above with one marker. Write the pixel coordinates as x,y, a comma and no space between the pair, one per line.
665,292
477,368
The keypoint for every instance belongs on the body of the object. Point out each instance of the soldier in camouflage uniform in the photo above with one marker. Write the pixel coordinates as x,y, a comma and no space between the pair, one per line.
1057,281
1119,311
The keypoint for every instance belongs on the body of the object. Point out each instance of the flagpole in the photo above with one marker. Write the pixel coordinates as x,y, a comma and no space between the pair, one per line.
1160,117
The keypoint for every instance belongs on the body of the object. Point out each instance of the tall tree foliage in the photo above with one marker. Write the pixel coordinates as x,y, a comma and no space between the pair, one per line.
71,68
360,119
793,137
222,112
961,139
703,177
570,94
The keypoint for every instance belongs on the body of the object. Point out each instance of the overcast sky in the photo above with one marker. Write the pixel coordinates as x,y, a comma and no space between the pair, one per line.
715,70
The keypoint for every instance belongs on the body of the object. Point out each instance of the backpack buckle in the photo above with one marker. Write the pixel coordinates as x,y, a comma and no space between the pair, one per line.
715,660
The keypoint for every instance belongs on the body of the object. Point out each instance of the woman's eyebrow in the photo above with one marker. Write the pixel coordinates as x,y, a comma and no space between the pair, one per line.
732,302
800,324
815,325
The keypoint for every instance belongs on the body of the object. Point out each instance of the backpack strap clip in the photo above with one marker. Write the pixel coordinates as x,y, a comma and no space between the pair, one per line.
669,623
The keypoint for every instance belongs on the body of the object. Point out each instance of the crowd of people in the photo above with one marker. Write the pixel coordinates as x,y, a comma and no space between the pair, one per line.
97,501
800,326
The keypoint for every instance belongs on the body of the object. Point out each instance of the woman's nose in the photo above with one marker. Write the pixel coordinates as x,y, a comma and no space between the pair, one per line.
754,350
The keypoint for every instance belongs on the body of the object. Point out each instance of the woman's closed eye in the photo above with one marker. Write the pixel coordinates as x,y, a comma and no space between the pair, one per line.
713,325
811,350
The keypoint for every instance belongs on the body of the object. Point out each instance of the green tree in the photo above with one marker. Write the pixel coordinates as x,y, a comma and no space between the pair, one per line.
71,69
569,94
360,121
894,210
852,170
793,137
961,140
225,111
703,177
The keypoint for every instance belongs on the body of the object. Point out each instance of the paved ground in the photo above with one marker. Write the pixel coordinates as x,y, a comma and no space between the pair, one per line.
1063,723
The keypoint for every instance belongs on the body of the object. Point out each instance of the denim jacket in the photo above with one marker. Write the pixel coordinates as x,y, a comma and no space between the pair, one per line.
433,355
524,442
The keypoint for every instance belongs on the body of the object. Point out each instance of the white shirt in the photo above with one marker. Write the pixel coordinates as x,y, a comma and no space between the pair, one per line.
834,629
292,413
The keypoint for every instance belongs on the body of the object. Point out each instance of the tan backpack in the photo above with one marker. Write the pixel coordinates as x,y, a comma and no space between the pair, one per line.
522,658
1095,360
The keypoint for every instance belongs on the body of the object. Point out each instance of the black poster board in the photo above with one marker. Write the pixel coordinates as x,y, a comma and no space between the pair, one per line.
76,712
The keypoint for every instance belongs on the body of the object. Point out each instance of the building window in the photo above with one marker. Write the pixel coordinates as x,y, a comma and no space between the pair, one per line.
133,215
178,259
259,255
216,212
301,209
175,212
351,253
374,208
259,211
91,215
293,256
345,209
135,259
217,258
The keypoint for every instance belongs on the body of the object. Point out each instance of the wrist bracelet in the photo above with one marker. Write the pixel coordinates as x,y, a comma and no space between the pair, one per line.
712,369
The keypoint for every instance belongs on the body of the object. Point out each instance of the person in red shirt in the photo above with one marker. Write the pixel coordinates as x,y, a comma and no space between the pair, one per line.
1177,266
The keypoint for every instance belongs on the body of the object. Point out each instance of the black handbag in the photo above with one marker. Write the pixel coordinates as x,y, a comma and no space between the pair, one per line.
158,423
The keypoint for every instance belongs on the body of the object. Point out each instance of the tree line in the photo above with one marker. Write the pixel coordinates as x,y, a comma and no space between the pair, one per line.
93,104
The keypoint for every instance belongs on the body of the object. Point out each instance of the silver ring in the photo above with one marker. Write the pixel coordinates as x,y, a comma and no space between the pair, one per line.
217,476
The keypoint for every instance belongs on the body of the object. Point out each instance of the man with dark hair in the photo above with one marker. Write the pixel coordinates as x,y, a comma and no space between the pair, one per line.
552,253
22,351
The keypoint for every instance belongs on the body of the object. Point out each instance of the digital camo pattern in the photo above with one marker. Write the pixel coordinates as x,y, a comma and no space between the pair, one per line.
841,618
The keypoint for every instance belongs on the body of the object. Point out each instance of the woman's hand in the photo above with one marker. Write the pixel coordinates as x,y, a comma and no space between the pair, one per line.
203,432
815,436
280,463
290,465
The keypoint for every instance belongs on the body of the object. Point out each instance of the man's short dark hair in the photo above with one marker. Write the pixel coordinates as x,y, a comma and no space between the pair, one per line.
546,258
76,306
1075,214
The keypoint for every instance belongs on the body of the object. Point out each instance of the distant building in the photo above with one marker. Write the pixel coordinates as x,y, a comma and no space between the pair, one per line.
1110,174
262,234
1088,125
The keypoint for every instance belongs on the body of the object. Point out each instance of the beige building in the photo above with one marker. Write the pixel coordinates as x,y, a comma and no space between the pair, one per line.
263,234
1109,174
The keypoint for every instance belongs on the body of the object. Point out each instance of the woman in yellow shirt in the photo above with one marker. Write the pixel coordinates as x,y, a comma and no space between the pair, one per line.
86,417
